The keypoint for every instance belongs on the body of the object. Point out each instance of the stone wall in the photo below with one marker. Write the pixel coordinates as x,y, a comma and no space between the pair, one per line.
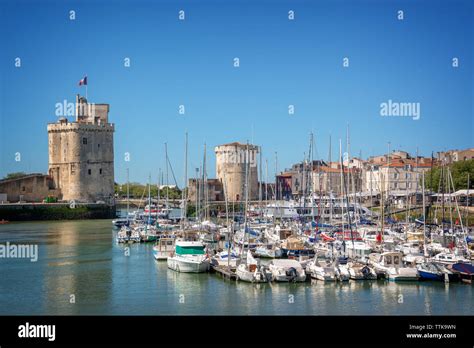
30,188
81,160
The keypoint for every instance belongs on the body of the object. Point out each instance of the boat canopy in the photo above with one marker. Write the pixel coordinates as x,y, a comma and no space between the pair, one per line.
190,250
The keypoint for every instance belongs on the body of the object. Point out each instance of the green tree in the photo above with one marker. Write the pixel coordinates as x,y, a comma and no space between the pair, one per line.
14,175
460,172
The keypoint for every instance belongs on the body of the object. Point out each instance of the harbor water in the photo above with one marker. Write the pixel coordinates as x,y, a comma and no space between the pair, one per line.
81,270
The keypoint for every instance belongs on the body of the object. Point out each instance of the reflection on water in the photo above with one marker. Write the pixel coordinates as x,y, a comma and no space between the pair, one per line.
80,270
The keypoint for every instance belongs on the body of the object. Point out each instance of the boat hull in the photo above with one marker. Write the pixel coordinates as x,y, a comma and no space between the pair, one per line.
179,264
161,255
250,277
424,275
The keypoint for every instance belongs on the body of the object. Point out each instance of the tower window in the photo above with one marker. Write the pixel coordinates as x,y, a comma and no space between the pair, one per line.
89,171
100,171
84,141
98,145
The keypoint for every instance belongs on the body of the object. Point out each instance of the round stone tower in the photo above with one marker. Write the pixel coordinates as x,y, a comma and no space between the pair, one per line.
231,163
81,154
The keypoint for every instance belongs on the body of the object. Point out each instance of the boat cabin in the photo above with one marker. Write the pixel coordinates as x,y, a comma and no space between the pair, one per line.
391,259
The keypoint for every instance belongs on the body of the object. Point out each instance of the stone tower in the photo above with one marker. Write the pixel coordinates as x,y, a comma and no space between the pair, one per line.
81,154
231,162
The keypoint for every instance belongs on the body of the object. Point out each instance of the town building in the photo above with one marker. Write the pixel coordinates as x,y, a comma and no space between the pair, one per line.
451,156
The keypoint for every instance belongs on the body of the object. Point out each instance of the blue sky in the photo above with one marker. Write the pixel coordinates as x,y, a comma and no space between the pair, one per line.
282,62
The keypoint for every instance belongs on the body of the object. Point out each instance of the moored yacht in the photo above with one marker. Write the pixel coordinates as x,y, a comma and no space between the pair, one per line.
287,271
390,265
163,249
189,257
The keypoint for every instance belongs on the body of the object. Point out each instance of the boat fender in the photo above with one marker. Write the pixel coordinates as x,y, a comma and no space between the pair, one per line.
365,271
291,272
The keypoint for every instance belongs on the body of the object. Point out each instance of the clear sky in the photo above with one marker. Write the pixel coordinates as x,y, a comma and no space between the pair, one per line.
282,62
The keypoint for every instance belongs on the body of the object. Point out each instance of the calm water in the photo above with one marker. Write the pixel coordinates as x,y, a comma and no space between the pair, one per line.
81,258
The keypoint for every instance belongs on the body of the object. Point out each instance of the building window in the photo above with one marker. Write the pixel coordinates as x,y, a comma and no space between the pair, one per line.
23,188
84,141
89,171
98,145
100,171
73,169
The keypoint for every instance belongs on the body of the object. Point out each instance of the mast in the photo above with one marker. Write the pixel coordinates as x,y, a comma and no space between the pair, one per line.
342,183
149,202
266,180
407,195
424,214
467,201
260,193
158,190
204,184
303,186
128,194
197,194
311,159
167,182
382,204
229,228
185,189
329,177
347,206
246,199
388,179
276,183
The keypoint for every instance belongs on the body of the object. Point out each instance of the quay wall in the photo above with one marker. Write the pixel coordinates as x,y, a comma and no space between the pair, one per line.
56,211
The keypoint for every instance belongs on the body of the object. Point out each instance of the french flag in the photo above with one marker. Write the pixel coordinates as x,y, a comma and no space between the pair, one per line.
83,82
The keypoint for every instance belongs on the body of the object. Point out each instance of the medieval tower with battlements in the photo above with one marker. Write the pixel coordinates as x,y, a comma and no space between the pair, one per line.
81,154
233,161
